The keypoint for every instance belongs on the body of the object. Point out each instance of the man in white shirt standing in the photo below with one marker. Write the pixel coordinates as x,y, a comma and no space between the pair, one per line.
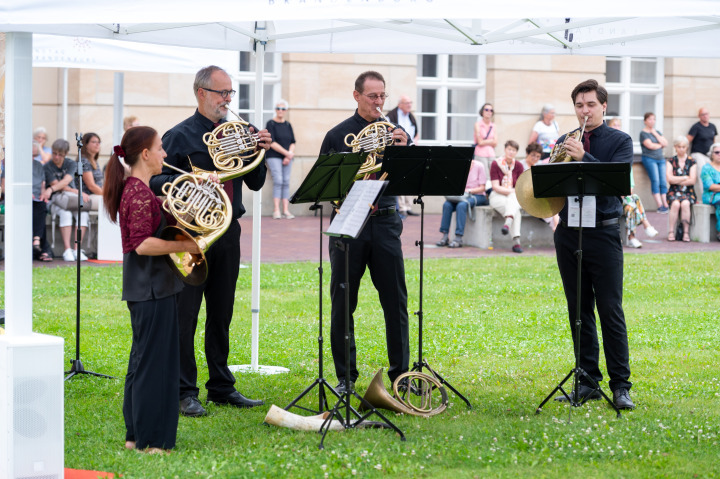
401,115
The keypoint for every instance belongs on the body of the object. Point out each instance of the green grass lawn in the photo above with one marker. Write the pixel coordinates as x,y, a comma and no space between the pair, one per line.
496,328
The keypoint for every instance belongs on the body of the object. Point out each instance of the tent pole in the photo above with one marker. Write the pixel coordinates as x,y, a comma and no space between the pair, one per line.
65,87
118,102
257,212
18,181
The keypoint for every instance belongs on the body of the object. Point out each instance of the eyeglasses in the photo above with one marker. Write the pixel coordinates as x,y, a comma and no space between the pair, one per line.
224,93
281,108
716,152
489,109
375,97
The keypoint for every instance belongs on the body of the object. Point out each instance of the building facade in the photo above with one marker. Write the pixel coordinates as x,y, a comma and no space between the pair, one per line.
447,93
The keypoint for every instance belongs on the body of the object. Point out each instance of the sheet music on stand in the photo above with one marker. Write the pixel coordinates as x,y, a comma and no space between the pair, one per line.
356,208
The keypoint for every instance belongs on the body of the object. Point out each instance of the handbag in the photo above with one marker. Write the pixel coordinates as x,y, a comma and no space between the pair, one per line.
458,198
69,201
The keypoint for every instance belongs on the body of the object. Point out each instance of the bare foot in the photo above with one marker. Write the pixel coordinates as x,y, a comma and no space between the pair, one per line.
129,444
156,450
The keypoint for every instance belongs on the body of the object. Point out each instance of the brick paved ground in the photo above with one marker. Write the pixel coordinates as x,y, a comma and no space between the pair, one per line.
286,241
297,240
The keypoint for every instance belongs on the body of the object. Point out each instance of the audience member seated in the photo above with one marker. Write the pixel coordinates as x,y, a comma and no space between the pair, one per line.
44,153
614,123
504,173
652,143
634,216
533,154
474,196
681,175
546,131
710,176
40,196
60,180
129,122
92,174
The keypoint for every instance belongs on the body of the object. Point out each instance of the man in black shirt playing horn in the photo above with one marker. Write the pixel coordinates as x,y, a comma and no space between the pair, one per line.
378,248
184,143
602,260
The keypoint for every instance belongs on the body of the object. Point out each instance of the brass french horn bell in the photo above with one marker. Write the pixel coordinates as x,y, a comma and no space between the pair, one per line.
423,405
525,193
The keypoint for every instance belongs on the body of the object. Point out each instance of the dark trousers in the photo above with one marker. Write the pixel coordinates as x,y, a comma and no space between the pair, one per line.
223,260
151,404
379,249
601,285
39,215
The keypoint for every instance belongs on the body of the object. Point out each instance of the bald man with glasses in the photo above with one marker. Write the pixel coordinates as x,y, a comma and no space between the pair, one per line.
184,144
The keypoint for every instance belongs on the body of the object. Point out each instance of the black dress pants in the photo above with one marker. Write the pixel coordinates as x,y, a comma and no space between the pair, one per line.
151,405
223,260
601,286
379,249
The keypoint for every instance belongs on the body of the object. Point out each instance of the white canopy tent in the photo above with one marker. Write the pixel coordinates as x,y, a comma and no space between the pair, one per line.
616,27
643,28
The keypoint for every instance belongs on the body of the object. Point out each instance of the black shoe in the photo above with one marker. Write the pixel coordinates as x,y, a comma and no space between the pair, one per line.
411,213
505,229
621,398
403,387
191,407
342,388
236,399
443,242
583,392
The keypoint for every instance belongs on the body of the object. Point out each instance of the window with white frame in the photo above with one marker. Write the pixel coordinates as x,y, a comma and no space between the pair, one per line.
451,89
635,87
246,86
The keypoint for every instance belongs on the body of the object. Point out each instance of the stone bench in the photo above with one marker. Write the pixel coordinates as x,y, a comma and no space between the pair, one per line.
485,231
703,230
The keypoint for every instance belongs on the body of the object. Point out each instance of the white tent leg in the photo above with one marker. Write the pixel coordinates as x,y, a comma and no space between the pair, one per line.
257,220
18,182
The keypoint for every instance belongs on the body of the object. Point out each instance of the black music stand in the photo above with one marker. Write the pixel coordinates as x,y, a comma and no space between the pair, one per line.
580,179
348,223
76,365
427,171
329,180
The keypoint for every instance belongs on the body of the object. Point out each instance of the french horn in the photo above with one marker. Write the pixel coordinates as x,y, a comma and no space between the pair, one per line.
372,139
525,193
407,402
201,205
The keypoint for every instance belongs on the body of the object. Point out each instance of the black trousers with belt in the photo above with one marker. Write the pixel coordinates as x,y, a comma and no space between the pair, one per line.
601,286
223,260
151,405
379,249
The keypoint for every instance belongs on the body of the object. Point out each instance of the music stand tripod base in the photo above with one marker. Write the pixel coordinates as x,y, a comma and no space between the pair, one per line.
329,179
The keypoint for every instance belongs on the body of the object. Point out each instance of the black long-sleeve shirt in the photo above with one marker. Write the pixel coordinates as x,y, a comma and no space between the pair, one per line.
185,139
607,145
334,142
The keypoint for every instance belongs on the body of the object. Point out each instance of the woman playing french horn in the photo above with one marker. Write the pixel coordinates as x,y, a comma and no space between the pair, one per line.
150,288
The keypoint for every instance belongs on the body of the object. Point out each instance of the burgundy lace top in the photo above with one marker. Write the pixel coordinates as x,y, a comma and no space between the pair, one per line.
139,214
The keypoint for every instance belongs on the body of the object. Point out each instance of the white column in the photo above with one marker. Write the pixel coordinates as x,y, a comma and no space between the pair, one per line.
18,181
